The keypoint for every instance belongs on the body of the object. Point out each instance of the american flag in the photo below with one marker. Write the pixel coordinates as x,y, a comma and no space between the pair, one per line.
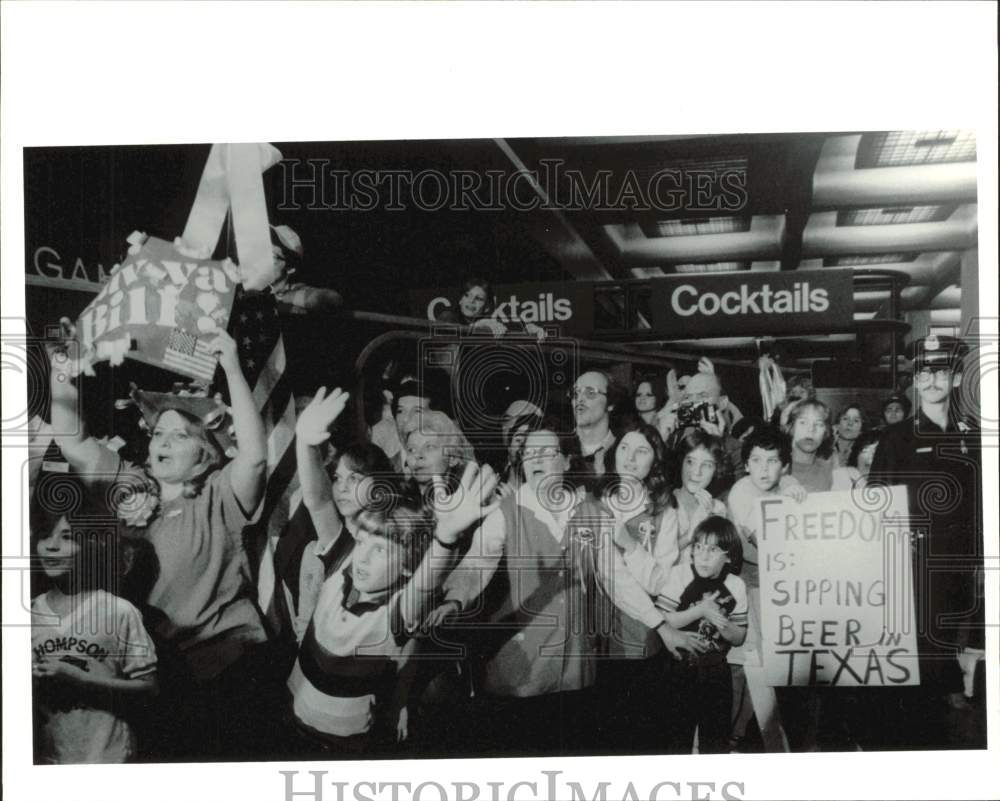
188,355
257,332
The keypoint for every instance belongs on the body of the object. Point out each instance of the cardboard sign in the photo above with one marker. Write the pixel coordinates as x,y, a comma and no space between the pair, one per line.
836,590
564,304
792,302
167,304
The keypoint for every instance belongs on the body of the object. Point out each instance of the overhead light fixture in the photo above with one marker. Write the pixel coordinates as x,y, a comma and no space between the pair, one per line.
647,272
912,148
702,226
860,261
714,267
896,215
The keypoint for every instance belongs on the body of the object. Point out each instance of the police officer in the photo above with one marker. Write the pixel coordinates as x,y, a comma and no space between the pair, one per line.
936,455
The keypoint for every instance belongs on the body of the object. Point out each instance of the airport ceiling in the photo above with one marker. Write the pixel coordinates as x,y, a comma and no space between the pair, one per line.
596,209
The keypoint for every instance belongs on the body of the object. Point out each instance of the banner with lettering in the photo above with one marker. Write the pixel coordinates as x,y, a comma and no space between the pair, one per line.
836,590
159,307
752,303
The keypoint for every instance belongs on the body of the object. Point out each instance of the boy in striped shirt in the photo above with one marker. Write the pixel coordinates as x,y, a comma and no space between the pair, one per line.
712,601
346,693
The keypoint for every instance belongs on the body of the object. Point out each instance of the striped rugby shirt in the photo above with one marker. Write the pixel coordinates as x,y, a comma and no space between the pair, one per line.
349,658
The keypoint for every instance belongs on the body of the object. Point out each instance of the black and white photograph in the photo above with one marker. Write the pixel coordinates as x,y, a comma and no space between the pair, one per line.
460,448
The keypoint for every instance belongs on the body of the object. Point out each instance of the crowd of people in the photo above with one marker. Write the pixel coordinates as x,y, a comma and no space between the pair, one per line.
586,585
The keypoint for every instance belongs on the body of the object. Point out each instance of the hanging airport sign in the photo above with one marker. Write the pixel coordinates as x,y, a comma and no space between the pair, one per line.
749,304
567,306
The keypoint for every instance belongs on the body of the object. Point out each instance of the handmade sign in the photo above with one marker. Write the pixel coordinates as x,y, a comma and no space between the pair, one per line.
159,307
836,590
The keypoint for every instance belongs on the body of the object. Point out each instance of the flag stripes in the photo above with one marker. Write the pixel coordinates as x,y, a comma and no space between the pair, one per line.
262,356
189,356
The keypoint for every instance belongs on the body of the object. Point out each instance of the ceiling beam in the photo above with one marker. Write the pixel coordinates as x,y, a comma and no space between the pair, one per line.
555,232
823,237
837,184
761,242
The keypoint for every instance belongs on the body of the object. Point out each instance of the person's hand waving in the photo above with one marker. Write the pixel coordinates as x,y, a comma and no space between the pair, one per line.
469,503
313,425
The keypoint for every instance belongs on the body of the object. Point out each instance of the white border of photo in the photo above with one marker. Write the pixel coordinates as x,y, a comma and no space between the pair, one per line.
89,73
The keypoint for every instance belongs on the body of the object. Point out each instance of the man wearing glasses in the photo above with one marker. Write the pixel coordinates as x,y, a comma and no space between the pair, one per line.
594,396
937,455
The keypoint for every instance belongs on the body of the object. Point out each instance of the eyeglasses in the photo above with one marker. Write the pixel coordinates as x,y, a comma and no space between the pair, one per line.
545,452
708,550
587,392
926,373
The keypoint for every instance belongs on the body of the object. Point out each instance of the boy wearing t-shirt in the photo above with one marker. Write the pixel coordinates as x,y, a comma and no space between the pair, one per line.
711,600
346,693
767,454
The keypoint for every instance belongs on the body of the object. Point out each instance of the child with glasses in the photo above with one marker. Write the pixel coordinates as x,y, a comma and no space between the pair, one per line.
709,599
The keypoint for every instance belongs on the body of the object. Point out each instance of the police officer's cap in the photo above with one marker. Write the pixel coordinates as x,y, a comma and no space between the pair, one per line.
936,351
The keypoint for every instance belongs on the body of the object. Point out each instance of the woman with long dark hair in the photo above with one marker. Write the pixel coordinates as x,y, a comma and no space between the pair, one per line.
697,459
636,680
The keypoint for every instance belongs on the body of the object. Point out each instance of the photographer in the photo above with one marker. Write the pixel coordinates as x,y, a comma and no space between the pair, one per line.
701,406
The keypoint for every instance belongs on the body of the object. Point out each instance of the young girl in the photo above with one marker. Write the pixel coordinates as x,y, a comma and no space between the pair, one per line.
862,456
362,475
850,426
203,589
811,436
93,662
710,599
698,456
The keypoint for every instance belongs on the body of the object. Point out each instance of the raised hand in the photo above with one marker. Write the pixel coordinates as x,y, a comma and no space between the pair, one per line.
794,490
666,419
504,488
224,346
535,330
714,429
467,505
704,499
492,325
313,425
